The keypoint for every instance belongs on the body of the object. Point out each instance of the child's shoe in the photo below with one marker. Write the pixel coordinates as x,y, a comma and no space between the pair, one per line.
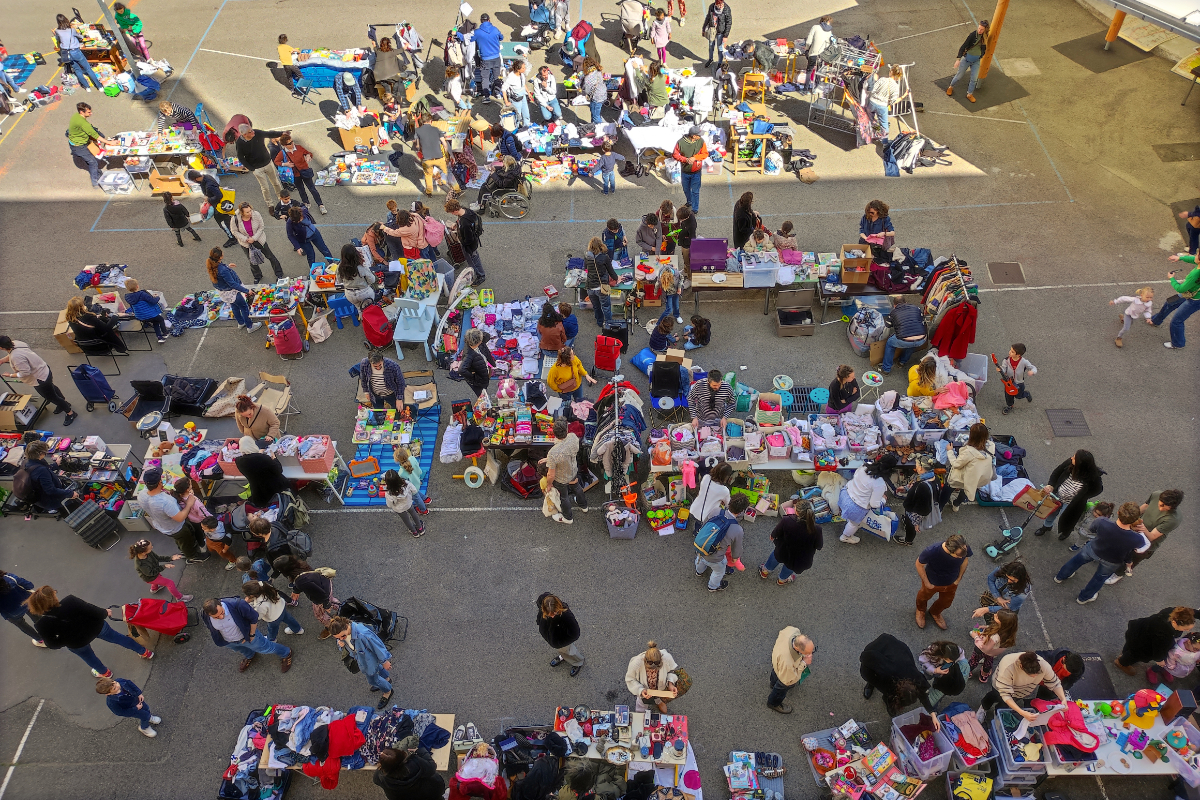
1118,342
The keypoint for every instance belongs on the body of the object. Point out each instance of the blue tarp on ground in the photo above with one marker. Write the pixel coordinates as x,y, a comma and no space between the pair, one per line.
425,429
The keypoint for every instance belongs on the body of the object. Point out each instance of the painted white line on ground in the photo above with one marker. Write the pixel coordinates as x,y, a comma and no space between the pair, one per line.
288,126
1037,610
199,344
1100,783
20,749
915,35
386,510
1068,286
28,312
239,55
972,116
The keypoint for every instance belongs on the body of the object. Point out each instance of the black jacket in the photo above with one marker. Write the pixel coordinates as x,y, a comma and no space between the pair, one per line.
474,370
841,395
470,226
254,154
724,19
265,476
1147,639
558,631
176,216
599,269
887,661
794,546
970,42
211,190
51,489
73,624
687,232
907,321
418,780
744,223
1071,515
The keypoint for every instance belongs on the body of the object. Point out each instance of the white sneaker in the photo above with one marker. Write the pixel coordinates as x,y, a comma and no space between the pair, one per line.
155,720
294,633
323,211
230,566
89,89
1114,578
254,327
149,733
38,643
21,90
850,539
186,598
1170,346
679,320
682,21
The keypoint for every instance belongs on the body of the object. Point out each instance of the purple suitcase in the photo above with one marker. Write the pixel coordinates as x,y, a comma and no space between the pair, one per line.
709,255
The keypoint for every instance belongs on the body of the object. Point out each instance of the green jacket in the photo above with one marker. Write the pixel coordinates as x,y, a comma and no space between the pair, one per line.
80,131
1192,282
658,94
129,21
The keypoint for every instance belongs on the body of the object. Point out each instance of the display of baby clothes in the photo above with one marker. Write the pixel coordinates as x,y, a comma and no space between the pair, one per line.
383,731
1005,490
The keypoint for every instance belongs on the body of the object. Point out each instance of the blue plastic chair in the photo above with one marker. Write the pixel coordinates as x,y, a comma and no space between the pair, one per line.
343,308
304,86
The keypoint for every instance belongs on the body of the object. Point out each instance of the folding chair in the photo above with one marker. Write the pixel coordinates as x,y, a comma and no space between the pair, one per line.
668,396
417,381
275,392
304,86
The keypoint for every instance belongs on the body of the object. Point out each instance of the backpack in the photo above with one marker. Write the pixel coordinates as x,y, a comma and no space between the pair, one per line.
478,226
300,544
831,52
26,489
581,31
435,231
712,533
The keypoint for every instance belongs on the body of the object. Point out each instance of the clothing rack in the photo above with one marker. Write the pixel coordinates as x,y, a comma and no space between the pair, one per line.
832,105
905,109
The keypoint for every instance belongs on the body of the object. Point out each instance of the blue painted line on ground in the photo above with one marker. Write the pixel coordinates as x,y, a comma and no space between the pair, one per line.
101,214
790,215
179,79
1042,144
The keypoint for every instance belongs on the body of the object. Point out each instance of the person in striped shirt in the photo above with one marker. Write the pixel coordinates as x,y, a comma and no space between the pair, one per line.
710,400
172,113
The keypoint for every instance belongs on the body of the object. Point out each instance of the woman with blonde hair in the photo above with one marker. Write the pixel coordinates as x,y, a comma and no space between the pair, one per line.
922,379
558,626
89,327
409,468
652,670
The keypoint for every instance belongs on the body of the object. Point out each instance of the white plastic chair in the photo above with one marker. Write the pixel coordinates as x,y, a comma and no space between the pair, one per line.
414,323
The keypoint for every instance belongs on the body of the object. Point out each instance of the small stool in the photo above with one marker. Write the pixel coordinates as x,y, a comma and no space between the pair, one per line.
343,308
482,129
820,396
872,380
754,82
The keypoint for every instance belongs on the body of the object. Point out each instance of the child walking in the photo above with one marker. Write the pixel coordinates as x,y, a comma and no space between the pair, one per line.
218,540
668,282
125,699
400,496
150,566
408,468
1084,530
608,167
1140,304
1017,368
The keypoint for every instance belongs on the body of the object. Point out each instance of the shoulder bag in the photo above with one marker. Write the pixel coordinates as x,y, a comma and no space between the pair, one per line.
683,682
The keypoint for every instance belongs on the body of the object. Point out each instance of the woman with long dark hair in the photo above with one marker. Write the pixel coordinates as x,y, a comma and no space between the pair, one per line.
887,665
745,220
558,626
698,333
843,391
1074,481
992,640
230,287
551,333
797,538
1009,584
358,281
405,775
946,666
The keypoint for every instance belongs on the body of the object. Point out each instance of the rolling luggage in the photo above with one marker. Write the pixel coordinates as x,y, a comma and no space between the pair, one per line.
377,327
286,338
93,525
94,387
619,331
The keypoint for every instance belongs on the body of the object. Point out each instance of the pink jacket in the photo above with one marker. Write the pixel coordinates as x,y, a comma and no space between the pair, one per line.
660,32
413,236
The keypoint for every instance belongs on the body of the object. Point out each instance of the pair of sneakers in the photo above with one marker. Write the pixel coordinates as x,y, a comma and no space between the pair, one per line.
149,732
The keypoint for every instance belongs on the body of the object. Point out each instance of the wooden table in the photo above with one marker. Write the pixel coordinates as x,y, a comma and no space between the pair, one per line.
852,290
749,139
441,756
734,281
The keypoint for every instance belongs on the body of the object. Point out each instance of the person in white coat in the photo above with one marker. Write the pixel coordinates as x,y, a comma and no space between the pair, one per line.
712,495
865,492
651,670
818,39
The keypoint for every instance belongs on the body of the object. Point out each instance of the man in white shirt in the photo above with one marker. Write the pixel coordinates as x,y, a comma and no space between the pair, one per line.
545,92
166,515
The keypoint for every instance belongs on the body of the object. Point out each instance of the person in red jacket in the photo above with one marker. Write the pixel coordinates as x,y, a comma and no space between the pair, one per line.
299,158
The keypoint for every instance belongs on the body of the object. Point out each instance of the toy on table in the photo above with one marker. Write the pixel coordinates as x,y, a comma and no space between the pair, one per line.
1141,708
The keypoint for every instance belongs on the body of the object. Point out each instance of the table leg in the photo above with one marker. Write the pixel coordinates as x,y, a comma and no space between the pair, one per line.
767,301
695,302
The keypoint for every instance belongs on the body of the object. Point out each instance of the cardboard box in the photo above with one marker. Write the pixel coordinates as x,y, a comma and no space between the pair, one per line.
677,356
62,333
358,137
13,411
855,270
793,313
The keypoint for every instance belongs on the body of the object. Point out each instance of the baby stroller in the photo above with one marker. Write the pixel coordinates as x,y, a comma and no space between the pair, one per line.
167,617
540,31
634,23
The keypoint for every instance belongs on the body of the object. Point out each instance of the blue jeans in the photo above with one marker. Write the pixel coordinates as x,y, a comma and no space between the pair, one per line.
596,106
318,240
691,188
489,70
1103,570
995,586
1048,522
601,306
93,165
715,44
260,644
304,178
670,305
241,310
576,395
82,69
379,680
430,253
894,344
522,108
142,714
1009,399
967,63
7,81
552,111
1184,308
285,620
690,345
773,562
107,634
881,111
476,265
608,181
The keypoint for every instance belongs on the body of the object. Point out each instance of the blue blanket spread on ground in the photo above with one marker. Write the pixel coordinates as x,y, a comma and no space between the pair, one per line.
425,429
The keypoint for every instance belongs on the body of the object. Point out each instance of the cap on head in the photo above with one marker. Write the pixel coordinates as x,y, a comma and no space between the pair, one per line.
485,17
694,130
152,478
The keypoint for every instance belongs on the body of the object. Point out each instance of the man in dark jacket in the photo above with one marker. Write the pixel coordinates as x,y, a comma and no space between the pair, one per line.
717,23
383,380
1112,549
469,228
233,623
408,776
557,625
908,331
49,489
252,152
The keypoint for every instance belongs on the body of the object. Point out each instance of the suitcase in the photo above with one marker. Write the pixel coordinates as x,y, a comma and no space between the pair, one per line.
93,525
229,791
286,338
94,387
619,331
523,480
608,353
709,255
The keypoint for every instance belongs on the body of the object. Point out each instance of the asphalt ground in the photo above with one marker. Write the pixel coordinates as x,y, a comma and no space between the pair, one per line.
1063,180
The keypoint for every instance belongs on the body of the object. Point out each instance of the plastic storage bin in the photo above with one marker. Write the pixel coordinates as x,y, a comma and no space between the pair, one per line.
902,437
626,530
228,467
759,275
924,769
976,366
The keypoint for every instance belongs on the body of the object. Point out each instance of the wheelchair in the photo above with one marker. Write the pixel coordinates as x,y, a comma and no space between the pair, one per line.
511,203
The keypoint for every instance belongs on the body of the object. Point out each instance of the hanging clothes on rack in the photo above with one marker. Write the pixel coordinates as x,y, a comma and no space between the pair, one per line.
956,331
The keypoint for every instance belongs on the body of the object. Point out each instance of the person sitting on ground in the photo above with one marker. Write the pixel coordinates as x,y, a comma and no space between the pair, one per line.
843,391
662,337
785,237
698,334
358,281
89,328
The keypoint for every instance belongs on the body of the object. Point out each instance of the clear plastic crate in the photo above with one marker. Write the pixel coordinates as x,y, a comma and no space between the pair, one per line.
924,769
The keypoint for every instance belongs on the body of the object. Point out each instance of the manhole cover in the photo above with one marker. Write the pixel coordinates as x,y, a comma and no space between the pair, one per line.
1002,272
1068,422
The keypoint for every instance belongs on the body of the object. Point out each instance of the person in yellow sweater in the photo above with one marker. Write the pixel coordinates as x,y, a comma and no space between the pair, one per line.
921,379
568,375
